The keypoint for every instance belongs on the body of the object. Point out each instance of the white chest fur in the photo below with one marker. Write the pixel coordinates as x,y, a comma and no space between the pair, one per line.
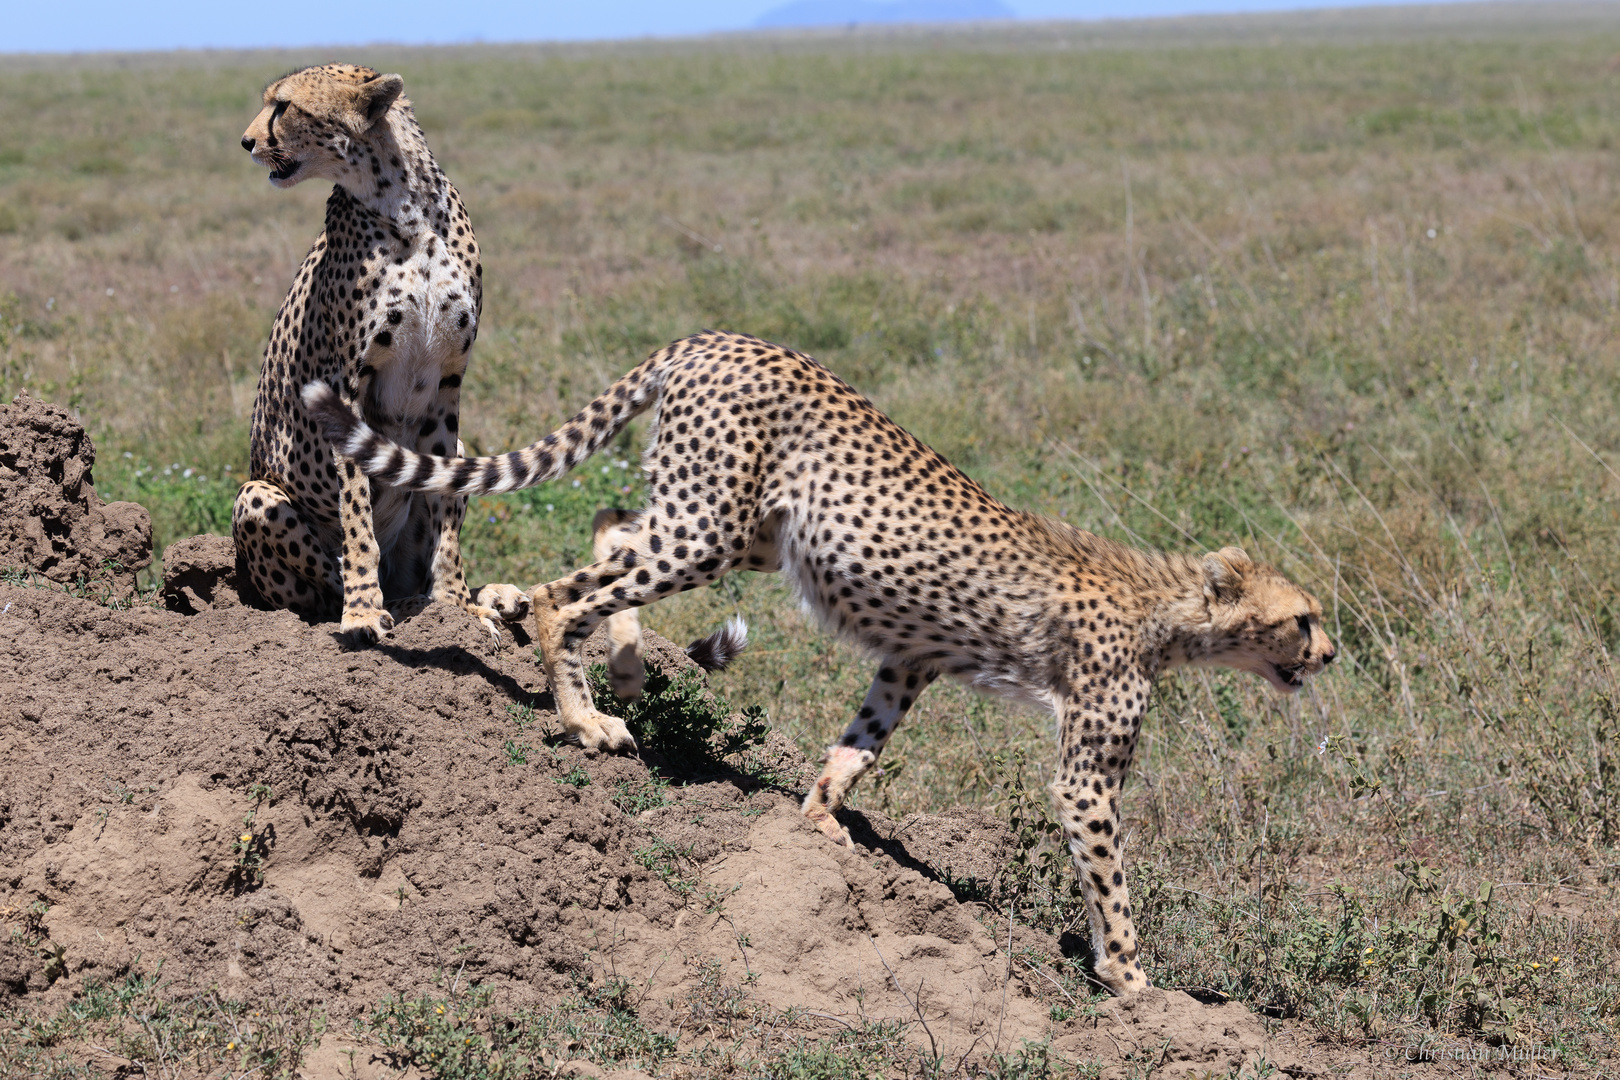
424,337
429,330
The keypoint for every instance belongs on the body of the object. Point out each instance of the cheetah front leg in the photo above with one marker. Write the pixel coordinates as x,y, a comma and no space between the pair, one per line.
364,616
893,692
653,562
1097,748
495,603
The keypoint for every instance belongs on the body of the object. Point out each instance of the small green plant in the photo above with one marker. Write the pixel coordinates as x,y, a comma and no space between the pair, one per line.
29,929
867,1051
1032,1061
717,1005
460,1037
522,715
576,777
681,721
251,848
664,859
1038,883
135,1019
636,797
98,589
519,749
30,932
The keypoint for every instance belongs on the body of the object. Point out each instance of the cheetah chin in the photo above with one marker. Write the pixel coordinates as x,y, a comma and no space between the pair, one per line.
1287,678
279,177
764,460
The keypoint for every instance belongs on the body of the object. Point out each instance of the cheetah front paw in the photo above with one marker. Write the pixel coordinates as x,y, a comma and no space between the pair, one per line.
1120,975
827,822
366,625
601,732
509,602
487,618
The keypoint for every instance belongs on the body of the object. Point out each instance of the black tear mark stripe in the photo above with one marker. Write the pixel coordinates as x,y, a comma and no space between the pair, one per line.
275,114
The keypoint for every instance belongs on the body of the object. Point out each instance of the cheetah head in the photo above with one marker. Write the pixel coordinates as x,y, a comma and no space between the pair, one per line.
1262,622
312,119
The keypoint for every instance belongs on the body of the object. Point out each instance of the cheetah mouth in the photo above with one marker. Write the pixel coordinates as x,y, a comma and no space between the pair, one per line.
1286,677
286,171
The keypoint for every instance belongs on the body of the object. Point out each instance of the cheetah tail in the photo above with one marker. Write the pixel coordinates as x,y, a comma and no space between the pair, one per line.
551,457
720,648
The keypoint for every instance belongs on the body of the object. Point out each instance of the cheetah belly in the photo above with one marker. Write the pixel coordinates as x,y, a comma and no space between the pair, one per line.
405,392
942,628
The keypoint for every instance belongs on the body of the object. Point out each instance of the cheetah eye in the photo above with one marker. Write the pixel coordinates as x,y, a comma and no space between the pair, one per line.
1304,622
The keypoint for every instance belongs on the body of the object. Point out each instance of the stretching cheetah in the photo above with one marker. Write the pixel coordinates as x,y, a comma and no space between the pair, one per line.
763,459
385,307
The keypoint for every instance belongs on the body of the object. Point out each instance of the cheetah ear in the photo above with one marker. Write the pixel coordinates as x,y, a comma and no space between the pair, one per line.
370,102
1223,574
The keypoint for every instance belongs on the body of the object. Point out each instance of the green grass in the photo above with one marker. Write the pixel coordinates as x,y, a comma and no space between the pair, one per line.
180,1035
1345,301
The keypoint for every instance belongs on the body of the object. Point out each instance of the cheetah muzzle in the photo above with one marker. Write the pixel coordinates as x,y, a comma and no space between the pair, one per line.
762,459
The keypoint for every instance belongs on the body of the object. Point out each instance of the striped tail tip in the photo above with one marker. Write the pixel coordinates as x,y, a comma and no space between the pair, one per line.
338,424
720,648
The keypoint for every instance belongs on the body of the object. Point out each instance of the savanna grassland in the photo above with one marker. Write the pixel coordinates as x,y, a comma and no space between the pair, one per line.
1343,291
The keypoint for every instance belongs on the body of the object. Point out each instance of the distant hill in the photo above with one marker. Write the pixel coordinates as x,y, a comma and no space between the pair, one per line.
843,12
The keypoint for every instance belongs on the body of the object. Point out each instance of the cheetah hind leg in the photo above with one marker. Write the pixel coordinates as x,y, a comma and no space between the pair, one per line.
613,530
562,622
285,561
892,694
627,672
567,610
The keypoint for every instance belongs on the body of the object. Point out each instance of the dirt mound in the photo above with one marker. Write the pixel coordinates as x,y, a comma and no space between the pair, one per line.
419,825
201,572
51,521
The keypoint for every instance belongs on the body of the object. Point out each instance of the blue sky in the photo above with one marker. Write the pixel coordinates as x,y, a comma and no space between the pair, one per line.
96,25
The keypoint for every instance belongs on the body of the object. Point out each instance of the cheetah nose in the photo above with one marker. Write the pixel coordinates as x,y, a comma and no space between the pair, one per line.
1329,656
247,144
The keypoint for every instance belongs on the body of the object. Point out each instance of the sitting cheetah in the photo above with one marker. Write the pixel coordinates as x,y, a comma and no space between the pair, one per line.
385,307
763,459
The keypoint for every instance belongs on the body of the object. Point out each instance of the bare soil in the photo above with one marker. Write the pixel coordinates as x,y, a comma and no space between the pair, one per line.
51,520
403,846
